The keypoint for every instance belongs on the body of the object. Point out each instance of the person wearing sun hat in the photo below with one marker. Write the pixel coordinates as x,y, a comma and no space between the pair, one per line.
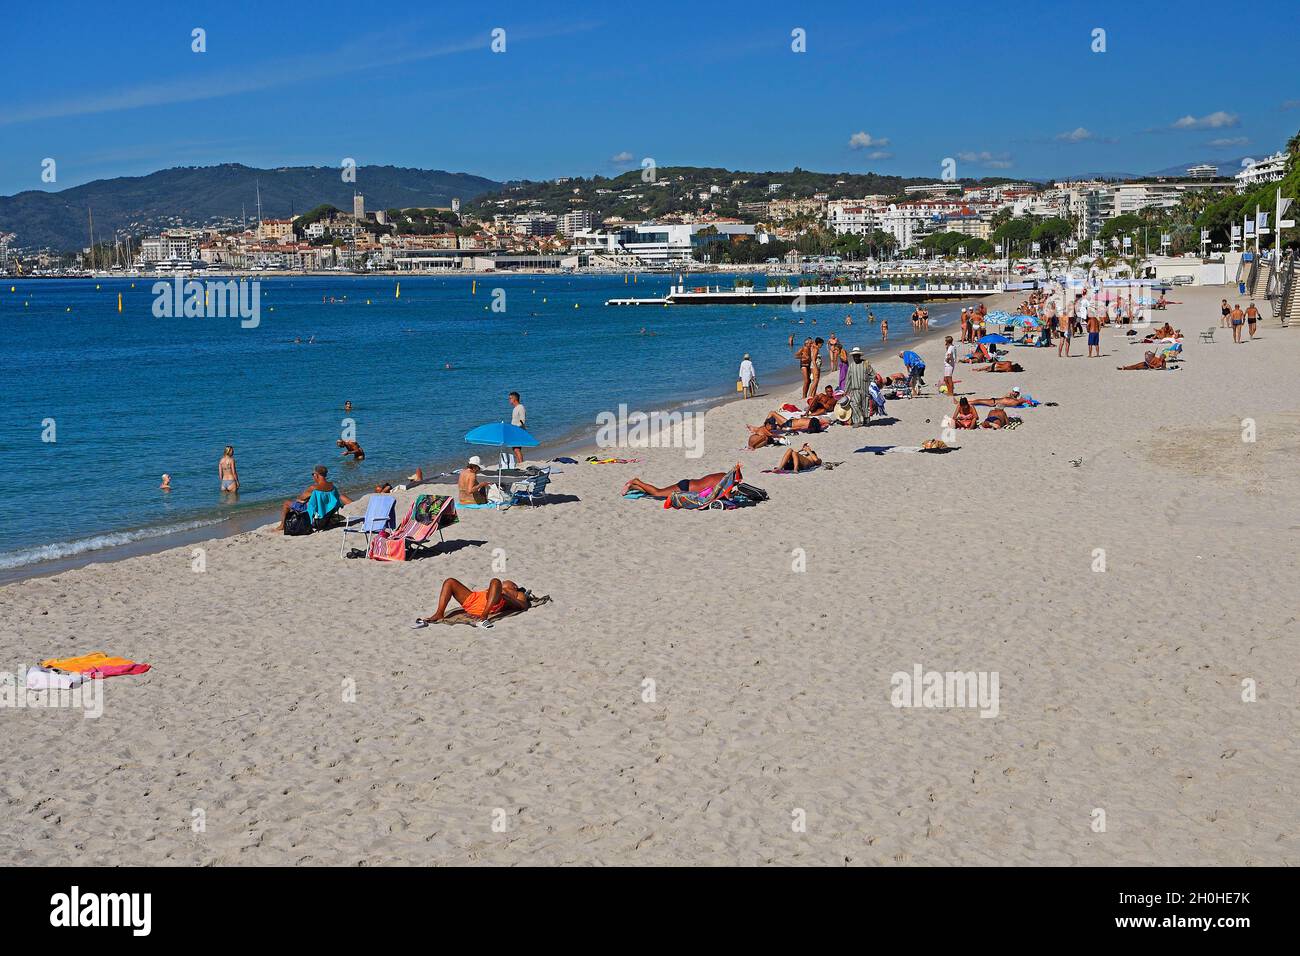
856,385
470,490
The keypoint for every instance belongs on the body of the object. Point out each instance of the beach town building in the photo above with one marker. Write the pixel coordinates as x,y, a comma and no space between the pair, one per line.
275,229
171,244
576,220
657,243
779,210
1255,172
968,223
1203,171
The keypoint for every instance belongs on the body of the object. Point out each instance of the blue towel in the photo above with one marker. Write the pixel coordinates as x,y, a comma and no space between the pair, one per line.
322,504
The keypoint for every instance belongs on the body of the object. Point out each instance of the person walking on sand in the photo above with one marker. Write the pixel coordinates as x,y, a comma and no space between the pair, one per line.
1237,317
856,393
1224,311
833,349
518,418
226,472
1252,317
748,380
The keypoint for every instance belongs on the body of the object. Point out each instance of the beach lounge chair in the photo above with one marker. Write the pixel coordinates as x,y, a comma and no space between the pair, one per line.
1208,335
381,515
429,514
714,497
530,488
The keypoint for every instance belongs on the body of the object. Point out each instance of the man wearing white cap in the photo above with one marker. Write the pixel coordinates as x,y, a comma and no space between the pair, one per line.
472,491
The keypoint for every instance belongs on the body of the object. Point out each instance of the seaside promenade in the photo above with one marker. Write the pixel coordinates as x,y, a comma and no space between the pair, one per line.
716,687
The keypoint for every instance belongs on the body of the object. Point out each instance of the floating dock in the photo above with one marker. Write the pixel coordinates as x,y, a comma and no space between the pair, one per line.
813,295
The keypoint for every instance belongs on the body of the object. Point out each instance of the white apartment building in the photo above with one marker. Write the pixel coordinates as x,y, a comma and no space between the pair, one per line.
1267,170
575,221
656,243
171,244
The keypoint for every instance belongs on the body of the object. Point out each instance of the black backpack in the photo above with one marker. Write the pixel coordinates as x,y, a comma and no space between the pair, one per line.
296,523
750,492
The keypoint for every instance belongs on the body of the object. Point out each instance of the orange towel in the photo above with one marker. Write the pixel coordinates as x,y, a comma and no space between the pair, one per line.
95,665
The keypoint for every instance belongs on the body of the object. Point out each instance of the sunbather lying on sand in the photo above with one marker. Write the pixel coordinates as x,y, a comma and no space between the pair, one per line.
499,596
1000,367
996,418
1152,360
822,402
981,354
1012,399
686,484
805,424
800,460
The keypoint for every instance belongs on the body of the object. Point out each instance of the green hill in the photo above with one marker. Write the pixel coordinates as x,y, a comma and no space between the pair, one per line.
206,195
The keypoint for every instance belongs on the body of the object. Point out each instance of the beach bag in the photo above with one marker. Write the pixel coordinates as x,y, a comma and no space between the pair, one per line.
297,523
750,492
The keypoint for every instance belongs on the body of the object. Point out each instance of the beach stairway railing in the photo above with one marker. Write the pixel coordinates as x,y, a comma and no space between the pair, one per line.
1286,303
1260,275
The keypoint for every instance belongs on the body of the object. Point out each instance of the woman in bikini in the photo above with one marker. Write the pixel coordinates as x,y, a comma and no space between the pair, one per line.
800,460
685,484
965,416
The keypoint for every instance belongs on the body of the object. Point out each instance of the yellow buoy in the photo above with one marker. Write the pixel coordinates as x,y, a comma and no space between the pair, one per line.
473,287
119,302
575,305
399,291
96,286
367,301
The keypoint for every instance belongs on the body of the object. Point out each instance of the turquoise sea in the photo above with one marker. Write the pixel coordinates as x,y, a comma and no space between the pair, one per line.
127,396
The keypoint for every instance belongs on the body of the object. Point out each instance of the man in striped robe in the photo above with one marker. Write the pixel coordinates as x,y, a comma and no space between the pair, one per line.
859,379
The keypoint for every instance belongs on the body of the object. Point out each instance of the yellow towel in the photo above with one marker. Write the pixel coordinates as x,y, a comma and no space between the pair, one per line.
85,662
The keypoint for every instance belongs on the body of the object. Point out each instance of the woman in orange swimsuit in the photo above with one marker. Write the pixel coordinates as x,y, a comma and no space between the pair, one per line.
497,597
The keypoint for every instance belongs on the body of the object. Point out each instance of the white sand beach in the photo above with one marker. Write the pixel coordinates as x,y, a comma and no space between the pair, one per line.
1119,690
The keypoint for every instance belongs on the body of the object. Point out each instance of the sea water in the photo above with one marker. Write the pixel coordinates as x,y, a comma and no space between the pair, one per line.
96,404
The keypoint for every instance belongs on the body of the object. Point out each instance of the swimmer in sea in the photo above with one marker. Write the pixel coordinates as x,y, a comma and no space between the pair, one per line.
166,482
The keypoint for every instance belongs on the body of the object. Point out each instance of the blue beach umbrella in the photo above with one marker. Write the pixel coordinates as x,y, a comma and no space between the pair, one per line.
501,435
993,339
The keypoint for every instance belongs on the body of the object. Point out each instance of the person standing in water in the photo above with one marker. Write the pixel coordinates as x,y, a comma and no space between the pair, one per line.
226,470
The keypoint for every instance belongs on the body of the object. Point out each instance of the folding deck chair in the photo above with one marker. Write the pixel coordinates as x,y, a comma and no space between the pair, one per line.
429,514
381,514
530,488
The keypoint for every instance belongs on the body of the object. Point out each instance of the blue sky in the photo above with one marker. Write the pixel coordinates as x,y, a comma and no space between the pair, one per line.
1004,88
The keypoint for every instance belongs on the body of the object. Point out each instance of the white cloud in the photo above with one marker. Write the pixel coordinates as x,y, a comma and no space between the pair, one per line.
1216,120
621,158
1225,142
986,159
863,140
1077,135
355,57
880,154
